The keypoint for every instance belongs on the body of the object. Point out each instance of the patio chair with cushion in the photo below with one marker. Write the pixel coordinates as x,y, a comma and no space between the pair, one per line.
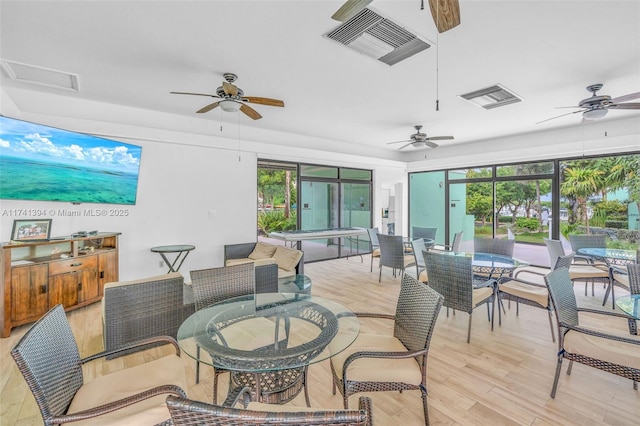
422,232
528,287
613,353
186,412
494,246
418,246
581,270
455,245
374,244
452,276
49,360
393,255
398,362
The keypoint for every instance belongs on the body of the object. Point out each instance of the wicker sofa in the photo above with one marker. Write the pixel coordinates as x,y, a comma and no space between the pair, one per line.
289,261
148,307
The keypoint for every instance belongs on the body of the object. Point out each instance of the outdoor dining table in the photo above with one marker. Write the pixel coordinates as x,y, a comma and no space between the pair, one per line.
610,256
302,326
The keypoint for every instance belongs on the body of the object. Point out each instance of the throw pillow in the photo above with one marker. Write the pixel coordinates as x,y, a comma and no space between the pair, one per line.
262,251
287,258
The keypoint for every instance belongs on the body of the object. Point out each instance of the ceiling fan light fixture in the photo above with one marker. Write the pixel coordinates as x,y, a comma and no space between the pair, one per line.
594,114
230,106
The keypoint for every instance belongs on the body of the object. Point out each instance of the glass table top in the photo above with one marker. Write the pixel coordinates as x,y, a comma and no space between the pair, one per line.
607,253
630,305
268,331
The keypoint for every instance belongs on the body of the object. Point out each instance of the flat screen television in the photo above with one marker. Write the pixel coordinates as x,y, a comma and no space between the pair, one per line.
44,163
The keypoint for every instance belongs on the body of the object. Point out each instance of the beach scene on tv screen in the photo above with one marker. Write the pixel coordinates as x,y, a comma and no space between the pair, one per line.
47,164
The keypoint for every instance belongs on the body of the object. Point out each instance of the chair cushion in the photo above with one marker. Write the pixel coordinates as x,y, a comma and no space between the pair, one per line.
130,381
423,277
604,349
262,251
621,278
287,258
404,370
481,294
284,273
409,259
375,252
540,295
587,271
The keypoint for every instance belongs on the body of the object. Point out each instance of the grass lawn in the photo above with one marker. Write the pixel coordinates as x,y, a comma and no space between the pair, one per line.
534,237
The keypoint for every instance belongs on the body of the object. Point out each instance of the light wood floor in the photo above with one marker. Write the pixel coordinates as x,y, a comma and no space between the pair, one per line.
502,377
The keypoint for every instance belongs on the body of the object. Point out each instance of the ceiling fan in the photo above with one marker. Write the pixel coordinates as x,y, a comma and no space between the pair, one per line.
232,98
597,106
446,13
420,140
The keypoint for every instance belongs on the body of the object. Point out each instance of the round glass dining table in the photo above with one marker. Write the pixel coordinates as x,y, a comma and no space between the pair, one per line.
294,331
268,340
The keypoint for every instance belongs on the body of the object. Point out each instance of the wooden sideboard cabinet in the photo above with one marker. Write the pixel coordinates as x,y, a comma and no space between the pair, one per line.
38,275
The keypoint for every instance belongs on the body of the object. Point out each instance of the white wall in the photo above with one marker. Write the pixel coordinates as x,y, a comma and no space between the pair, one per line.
193,189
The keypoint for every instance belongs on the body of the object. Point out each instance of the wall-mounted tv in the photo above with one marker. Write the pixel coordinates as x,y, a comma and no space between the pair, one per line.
48,164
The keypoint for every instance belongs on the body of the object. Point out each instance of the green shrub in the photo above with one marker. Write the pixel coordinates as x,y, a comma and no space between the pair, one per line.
484,230
505,219
529,223
617,224
275,221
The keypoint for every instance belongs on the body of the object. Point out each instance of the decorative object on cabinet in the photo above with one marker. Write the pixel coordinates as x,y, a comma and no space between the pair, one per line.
31,230
37,275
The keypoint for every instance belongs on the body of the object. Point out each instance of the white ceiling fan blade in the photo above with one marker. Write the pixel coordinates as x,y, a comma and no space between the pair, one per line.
431,144
350,9
558,116
439,138
391,143
630,105
625,98
404,146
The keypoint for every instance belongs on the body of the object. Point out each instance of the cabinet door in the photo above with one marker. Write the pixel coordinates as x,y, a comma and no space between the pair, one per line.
63,289
88,284
107,268
29,291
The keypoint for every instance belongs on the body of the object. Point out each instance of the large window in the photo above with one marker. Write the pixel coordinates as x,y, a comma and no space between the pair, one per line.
532,201
329,197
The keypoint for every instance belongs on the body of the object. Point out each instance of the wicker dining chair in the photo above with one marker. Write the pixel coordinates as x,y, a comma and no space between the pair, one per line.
622,275
454,246
375,245
377,362
581,270
422,232
503,247
393,255
186,412
453,277
49,360
613,353
527,286
418,246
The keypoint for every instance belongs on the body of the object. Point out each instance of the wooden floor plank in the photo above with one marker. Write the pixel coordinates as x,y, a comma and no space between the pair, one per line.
503,377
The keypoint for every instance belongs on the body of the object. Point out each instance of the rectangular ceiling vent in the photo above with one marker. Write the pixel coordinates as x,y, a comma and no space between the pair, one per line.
378,37
38,75
492,97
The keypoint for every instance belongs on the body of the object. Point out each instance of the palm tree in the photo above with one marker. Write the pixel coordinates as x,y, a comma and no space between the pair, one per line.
581,183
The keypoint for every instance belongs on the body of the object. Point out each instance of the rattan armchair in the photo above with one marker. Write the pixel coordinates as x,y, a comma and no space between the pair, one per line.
391,363
422,232
613,353
452,276
582,270
185,412
454,246
392,254
494,246
527,286
375,245
418,246
49,360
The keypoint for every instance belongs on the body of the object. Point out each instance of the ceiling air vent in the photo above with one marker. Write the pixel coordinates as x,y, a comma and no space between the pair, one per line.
37,75
378,37
492,97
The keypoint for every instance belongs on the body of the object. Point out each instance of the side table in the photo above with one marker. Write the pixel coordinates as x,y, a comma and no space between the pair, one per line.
182,253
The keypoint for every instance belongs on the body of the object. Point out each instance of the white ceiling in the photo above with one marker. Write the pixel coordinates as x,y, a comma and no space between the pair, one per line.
133,53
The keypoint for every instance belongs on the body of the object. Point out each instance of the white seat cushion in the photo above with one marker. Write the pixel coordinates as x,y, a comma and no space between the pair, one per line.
480,294
540,295
587,271
375,252
377,369
604,349
130,381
